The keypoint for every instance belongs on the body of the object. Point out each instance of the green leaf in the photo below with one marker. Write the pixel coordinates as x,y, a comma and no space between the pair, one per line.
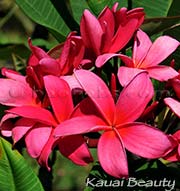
158,8
174,8
98,6
174,31
64,9
77,8
15,173
174,11
44,13
156,25
156,15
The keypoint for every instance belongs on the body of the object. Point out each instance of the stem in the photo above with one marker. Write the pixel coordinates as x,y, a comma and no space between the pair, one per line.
46,176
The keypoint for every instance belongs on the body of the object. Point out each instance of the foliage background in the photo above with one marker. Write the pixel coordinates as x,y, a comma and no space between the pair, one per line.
48,22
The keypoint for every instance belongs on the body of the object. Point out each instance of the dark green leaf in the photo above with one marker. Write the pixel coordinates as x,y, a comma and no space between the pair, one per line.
15,173
64,9
44,13
174,31
158,8
98,6
156,25
77,8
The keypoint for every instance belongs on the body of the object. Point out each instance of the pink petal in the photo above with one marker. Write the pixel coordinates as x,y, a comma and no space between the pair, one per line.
16,93
36,140
78,49
50,66
33,60
144,140
72,54
72,82
115,6
179,151
173,105
141,47
127,61
6,124
35,113
112,155
6,128
120,16
159,51
102,59
137,13
173,156
176,86
60,97
38,52
106,19
6,117
123,35
134,98
49,145
91,31
22,126
177,135
98,92
75,148
80,125
13,75
65,56
85,107
34,78
126,74
162,73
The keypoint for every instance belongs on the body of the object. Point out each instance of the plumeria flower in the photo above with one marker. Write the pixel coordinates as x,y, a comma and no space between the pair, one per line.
146,57
117,121
36,124
175,83
174,155
172,103
111,31
60,61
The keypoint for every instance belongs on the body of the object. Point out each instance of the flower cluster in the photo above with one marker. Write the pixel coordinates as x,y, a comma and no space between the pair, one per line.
77,88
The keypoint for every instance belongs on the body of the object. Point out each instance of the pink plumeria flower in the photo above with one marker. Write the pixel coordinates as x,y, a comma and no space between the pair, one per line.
117,121
174,155
175,82
59,61
146,57
111,31
36,124
172,103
